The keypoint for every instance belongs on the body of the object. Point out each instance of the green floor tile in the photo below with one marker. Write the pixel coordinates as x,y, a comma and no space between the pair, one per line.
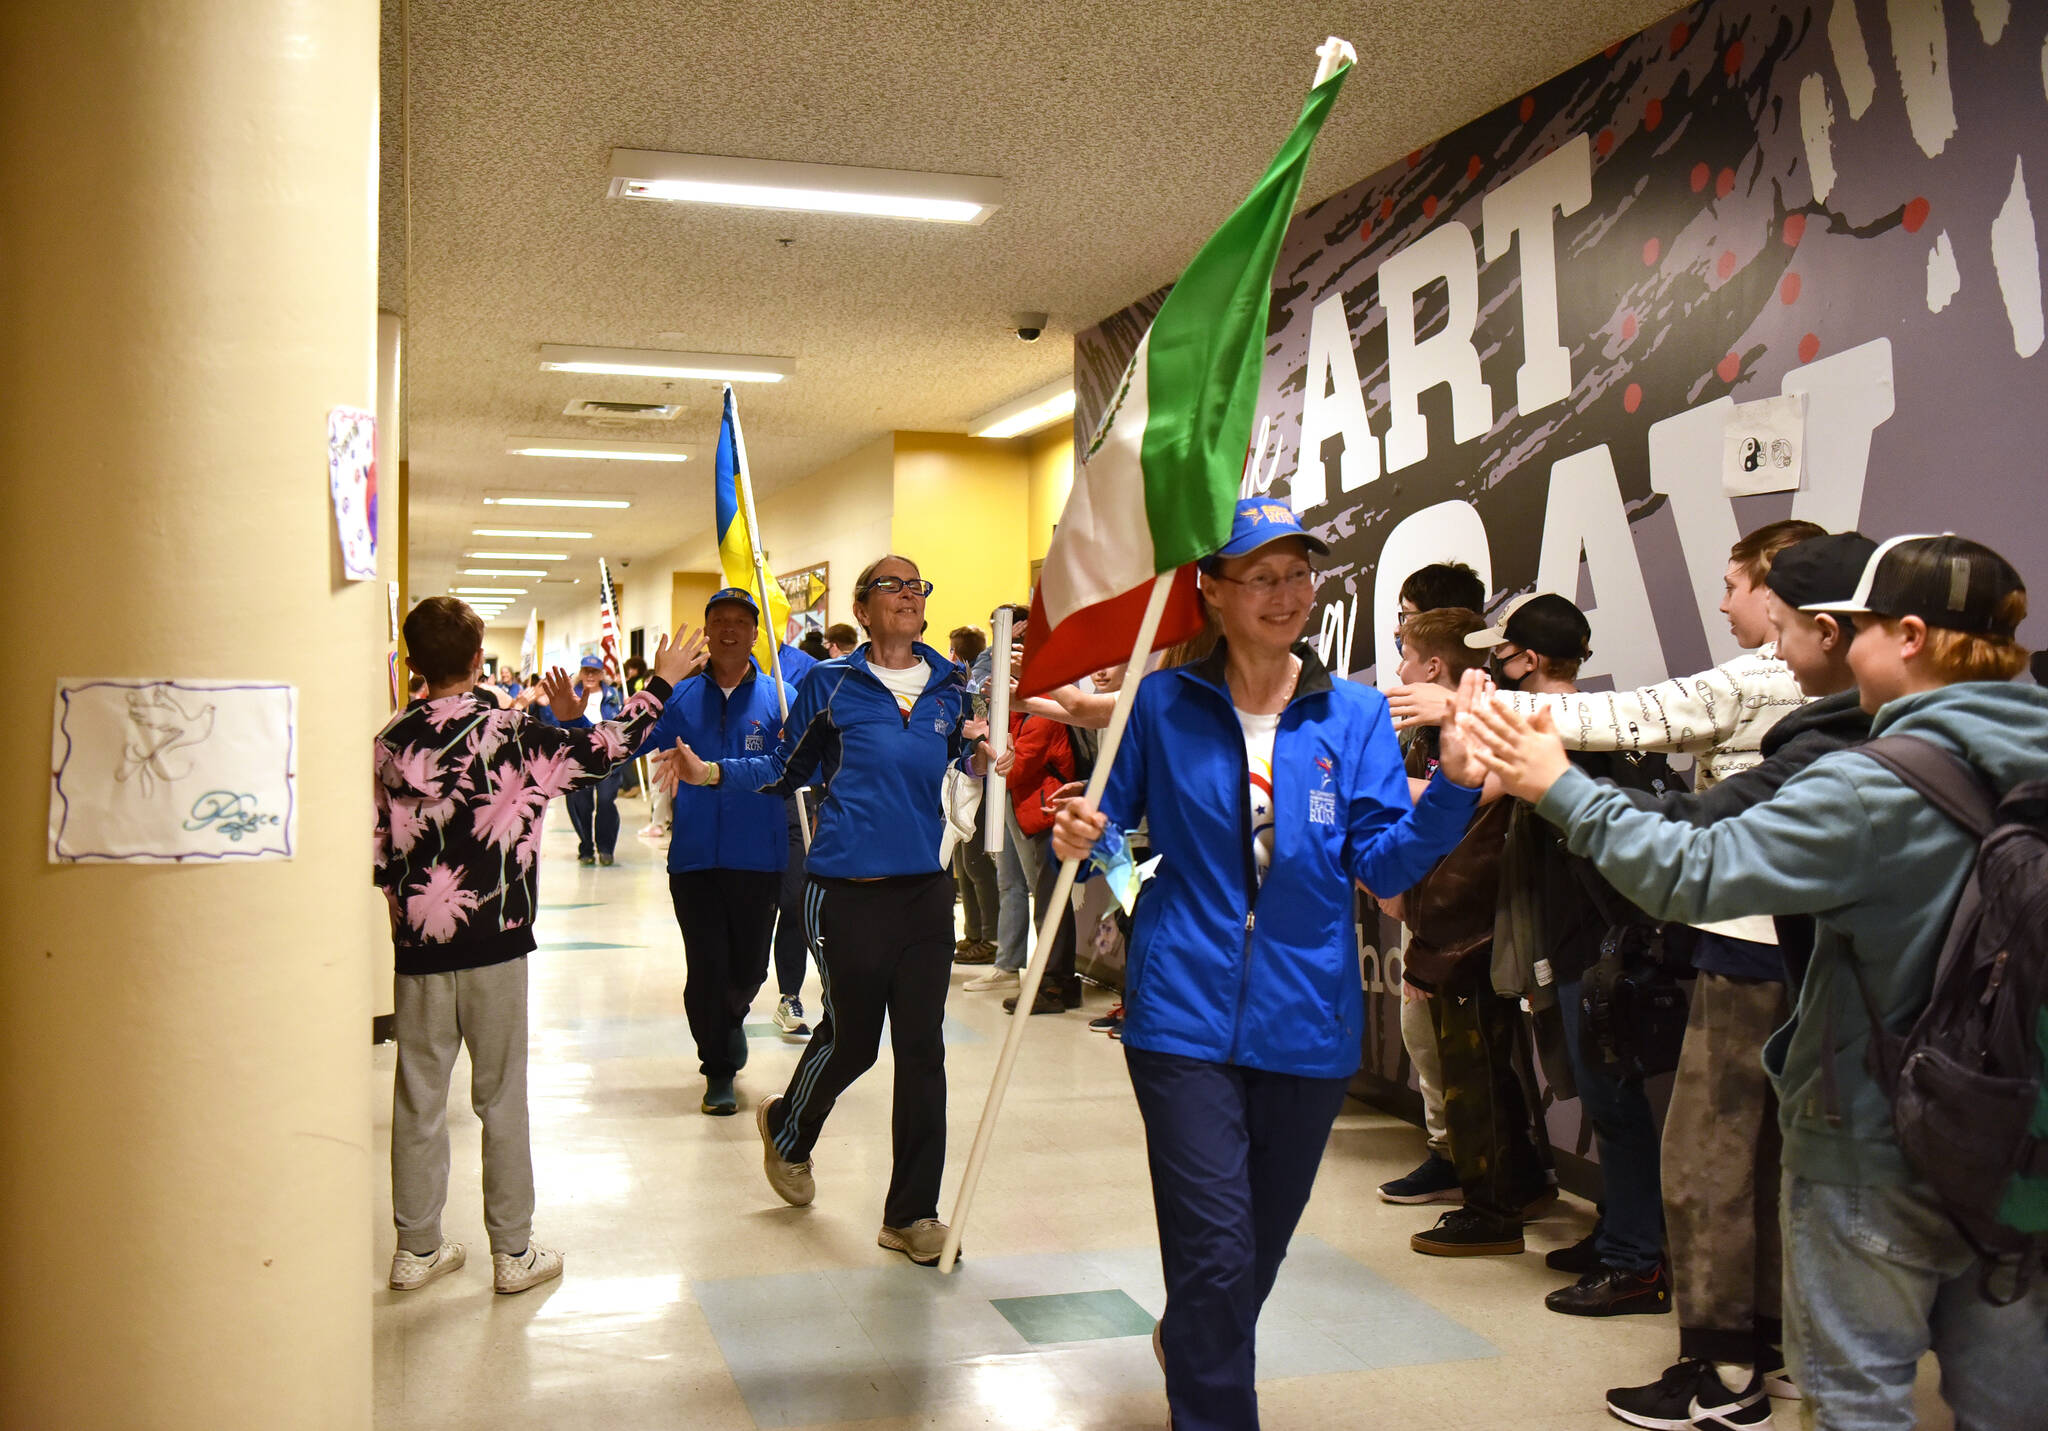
553,946
1075,1316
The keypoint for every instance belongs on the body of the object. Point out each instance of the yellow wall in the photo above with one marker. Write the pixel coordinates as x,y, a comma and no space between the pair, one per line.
960,512
690,590
1052,477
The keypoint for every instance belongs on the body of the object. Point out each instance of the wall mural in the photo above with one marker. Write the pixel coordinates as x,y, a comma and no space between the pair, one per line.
1522,345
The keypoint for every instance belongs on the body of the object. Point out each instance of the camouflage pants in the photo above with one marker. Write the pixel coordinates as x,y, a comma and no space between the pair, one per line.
1721,1150
1497,1138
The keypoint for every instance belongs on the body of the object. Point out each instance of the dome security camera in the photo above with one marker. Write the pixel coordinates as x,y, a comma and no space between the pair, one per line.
1028,326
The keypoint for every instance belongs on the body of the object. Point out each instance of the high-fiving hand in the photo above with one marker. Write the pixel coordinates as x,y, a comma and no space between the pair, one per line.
564,695
1526,754
679,766
679,659
1455,756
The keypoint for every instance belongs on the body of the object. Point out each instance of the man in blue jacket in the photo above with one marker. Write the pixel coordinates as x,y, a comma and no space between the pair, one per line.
594,809
726,857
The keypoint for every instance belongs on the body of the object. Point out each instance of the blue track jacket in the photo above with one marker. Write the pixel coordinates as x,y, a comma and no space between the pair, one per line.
1222,968
882,812
727,826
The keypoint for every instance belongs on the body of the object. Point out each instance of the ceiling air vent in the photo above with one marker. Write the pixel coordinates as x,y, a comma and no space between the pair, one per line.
605,411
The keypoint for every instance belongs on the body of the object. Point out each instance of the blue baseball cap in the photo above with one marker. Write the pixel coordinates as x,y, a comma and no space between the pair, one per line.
1259,522
734,593
593,663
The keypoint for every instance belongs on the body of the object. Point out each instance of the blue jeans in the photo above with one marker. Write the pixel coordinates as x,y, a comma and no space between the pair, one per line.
1233,1153
594,811
1874,1277
1631,1235
1016,872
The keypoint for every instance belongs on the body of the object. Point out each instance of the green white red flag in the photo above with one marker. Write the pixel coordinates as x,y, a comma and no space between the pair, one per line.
1157,483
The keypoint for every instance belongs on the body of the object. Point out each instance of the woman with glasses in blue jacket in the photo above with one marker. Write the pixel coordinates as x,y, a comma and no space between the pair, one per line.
1269,788
880,727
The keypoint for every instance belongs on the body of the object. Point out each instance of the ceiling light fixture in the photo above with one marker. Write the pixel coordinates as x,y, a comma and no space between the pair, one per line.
654,363
599,448
488,590
1028,413
813,188
519,556
502,571
524,532
609,503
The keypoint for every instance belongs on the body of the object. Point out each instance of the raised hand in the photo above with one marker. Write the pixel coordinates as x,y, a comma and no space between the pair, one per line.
1456,757
689,769
1527,755
565,697
678,659
1425,703
666,768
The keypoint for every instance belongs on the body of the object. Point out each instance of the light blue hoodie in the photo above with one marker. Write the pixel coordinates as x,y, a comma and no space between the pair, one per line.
1848,842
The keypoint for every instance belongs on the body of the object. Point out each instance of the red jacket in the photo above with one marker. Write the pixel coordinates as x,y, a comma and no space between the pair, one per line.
1045,762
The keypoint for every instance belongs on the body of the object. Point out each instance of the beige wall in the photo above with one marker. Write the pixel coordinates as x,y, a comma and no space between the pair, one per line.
189,287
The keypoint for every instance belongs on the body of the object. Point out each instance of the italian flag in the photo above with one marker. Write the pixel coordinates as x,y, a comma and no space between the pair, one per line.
1158,482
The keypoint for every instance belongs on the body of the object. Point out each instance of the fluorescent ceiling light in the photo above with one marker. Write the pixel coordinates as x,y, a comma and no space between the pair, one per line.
488,590
652,363
600,448
611,503
814,188
523,532
502,571
519,556
1028,413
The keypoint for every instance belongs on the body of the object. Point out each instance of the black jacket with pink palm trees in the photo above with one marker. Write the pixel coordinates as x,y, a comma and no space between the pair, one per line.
462,791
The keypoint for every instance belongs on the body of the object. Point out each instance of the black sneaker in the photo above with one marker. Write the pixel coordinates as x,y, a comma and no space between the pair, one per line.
589,859
1047,1002
1579,1258
1612,1292
1690,1397
1110,1021
1467,1232
1435,1180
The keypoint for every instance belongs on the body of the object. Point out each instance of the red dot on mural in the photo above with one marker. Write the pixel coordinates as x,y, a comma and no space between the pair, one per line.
1628,327
1795,229
1650,251
1429,206
1365,227
1528,107
1700,174
1724,185
1725,265
1386,208
1731,63
1632,397
1729,368
1414,157
1916,215
1472,167
1809,347
1788,288
1653,114
1604,145
1679,35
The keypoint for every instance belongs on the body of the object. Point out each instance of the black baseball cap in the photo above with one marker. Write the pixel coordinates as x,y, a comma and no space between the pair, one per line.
1824,568
1544,623
1947,581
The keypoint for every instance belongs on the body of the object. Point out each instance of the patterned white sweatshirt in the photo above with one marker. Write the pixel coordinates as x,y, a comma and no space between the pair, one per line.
1719,715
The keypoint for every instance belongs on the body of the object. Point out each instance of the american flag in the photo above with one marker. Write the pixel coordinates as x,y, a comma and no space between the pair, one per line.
607,622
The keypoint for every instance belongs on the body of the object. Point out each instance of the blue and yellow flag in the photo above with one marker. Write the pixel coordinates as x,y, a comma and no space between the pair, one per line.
735,545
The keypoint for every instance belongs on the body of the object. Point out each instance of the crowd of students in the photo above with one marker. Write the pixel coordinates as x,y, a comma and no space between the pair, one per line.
1576,921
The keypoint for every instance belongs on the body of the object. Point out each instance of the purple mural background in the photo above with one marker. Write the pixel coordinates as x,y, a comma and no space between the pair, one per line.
1779,195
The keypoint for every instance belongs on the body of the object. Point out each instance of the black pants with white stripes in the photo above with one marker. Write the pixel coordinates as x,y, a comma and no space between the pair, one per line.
884,949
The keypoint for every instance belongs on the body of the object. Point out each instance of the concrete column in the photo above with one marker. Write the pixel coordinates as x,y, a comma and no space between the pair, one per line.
188,286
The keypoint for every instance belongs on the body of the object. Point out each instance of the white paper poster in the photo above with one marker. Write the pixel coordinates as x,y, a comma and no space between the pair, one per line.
1763,446
352,480
173,771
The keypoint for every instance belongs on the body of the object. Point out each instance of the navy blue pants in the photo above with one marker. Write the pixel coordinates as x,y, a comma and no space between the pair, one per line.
1630,1235
594,811
1233,1153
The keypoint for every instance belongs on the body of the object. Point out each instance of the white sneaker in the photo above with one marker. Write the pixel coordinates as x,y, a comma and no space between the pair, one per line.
789,1017
536,1265
993,979
410,1271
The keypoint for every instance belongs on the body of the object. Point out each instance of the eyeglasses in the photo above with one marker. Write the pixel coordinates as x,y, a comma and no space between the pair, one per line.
892,584
1265,583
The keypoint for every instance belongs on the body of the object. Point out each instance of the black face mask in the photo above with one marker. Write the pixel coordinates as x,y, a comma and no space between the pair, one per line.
1498,669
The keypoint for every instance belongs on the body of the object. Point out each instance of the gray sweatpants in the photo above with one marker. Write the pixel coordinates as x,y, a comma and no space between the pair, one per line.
436,1016
1418,1036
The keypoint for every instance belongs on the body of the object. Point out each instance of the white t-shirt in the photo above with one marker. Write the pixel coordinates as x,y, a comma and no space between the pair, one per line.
1258,757
906,685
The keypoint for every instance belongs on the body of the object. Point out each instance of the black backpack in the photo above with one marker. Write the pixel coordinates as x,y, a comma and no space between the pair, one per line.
1965,1081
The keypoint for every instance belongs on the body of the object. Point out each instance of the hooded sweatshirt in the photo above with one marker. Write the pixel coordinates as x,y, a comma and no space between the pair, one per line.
462,791
1878,868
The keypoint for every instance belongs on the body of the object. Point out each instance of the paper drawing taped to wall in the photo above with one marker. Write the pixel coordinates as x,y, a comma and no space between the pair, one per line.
172,771
352,482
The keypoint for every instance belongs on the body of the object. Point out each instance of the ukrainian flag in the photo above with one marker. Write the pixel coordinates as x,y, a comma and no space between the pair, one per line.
735,546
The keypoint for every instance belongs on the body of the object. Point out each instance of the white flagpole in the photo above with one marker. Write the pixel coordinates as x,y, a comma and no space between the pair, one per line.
995,797
1034,968
739,449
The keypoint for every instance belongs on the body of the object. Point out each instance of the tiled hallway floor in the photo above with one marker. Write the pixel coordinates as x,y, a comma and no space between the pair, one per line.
694,1299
